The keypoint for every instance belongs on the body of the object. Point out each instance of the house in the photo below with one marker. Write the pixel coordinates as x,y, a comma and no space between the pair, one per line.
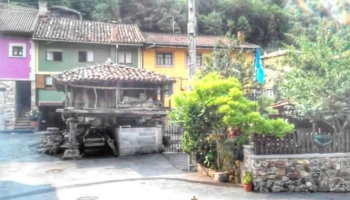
118,98
17,66
168,54
65,43
274,66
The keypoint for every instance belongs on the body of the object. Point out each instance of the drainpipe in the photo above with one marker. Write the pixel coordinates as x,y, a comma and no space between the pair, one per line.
153,45
141,57
116,53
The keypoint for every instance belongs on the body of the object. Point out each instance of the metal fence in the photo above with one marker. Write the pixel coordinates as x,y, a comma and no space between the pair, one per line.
172,138
297,143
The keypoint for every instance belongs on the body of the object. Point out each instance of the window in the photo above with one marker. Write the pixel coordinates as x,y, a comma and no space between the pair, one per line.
48,81
169,89
17,50
124,57
86,56
164,59
198,60
54,55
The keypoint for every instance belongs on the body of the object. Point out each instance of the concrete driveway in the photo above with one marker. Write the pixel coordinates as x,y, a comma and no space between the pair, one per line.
26,174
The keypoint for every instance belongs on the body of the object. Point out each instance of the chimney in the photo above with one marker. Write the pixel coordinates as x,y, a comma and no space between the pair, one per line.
240,37
42,7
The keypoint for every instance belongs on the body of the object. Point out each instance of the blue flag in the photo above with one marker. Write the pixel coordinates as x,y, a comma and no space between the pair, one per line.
260,75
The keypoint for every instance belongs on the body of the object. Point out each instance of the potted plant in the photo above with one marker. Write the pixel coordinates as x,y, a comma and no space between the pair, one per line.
247,182
33,116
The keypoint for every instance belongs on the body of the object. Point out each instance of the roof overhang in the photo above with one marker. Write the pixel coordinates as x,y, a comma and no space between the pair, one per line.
167,45
51,103
86,42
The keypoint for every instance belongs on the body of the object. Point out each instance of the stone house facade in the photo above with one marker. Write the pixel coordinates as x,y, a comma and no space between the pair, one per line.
17,66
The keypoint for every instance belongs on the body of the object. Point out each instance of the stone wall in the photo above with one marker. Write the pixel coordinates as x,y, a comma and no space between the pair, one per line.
299,172
138,140
7,105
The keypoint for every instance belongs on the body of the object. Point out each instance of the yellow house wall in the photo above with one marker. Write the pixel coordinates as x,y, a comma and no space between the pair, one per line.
179,69
274,67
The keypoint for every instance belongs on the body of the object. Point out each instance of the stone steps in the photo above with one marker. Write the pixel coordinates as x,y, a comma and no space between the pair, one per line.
22,121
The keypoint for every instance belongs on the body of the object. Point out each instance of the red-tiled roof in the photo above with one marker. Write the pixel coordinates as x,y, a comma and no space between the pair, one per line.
274,54
280,104
109,72
60,29
182,40
18,19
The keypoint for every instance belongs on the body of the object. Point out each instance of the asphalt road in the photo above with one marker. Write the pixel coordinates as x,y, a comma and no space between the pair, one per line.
28,175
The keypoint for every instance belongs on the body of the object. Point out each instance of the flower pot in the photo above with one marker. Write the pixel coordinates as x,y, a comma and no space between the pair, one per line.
33,123
247,187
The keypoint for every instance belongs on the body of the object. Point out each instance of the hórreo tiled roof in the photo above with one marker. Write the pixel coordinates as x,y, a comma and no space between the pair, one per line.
182,40
18,19
60,29
109,72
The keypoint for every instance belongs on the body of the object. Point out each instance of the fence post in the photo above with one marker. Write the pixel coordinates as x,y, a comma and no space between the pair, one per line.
192,163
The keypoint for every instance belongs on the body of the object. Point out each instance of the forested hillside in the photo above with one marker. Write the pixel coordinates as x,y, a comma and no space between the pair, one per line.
264,22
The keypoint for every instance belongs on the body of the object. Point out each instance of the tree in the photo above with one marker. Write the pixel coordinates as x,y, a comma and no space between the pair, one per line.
215,104
318,85
229,61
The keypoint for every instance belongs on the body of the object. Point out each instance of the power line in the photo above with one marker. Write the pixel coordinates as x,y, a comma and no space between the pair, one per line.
140,12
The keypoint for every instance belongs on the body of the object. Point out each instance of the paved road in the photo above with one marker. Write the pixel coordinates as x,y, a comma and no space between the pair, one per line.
27,175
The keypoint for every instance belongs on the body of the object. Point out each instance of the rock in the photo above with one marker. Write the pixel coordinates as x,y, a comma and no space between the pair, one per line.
334,182
308,184
307,169
271,177
272,170
272,164
293,176
281,172
281,164
304,174
269,183
316,175
276,189
277,183
264,164
291,188
285,178
221,177
303,188
261,173
339,189
297,183
231,179
303,162
264,189
323,189
313,188
299,168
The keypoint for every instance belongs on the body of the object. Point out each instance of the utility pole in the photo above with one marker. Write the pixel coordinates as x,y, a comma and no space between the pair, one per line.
191,30
173,25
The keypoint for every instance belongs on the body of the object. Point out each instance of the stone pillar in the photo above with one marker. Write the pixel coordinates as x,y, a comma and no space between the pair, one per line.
247,163
8,105
72,151
33,96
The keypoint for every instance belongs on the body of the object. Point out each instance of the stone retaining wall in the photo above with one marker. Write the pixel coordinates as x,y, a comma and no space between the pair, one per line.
7,105
298,172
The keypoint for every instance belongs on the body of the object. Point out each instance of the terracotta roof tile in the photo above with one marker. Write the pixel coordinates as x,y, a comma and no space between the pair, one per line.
182,40
109,72
18,19
61,29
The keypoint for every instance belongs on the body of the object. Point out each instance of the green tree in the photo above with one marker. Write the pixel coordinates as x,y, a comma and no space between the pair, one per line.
217,103
223,62
318,85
